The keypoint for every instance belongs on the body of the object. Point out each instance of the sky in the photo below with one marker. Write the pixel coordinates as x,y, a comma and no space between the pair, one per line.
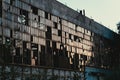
106,12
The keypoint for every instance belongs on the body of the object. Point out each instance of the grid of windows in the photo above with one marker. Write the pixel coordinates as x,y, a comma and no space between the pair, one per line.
41,38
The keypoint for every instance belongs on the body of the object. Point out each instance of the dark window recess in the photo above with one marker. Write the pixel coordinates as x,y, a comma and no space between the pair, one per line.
7,42
76,27
48,33
59,33
1,56
61,53
46,15
34,10
70,36
0,41
92,59
26,56
13,42
35,53
92,48
11,2
55,58
0,8
31,38
42,56
23,17
75,38
11,33
18,57
84,57
66,52
24,45
62,50
48,48
76,61
47,43
49,16
0,2
34,47
24,12
7,55
60,21
42,49
54,45
55,25
79,39
38,18
35,19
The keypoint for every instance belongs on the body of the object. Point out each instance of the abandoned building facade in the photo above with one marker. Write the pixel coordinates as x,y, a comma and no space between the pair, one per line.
40,38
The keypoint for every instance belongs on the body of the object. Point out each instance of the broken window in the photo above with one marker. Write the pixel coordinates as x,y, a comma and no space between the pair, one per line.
38,18
75,38
27,57
83,57
31,37
60,20
34,10
11,2
55,25
23,18
48,48
70,36
34,48
54,45
47,16
0,8
26,54
7,51
76,61
76,27
42,56
11,33
18,56
59,33
48,33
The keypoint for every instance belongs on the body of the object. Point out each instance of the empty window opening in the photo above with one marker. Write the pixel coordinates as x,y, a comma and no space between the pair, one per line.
48,33
59,33
11,2
54,45
60,21
1,8
23,18
55,25
38,18
31,37
46,15
34,10
70,36
18,56
76,27
75,38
